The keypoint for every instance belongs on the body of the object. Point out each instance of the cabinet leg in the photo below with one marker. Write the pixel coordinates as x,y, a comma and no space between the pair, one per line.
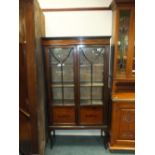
52,138
51,141
54,133
106,140
102,137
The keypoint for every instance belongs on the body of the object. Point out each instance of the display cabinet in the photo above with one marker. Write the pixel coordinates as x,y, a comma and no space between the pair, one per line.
77,82
123,82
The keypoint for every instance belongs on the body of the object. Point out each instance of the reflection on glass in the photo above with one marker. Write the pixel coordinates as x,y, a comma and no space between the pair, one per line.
123,39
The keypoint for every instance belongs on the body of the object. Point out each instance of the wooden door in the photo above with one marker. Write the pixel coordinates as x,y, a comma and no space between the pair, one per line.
123,125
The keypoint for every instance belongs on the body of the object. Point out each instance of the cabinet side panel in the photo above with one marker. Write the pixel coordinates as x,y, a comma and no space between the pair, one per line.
40,32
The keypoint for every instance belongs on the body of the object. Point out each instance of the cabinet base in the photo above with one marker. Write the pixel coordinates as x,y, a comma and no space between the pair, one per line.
120,148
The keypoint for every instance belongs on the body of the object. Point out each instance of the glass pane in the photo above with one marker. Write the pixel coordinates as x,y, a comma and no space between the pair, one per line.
124,22
62,79
89,102
68,102
68,93
91,74
85,93
85,73
97,93
57,93
68,73
98,73
97,102
57,102
56,73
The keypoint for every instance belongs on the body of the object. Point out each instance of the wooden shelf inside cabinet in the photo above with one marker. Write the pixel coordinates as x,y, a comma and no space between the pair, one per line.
93,102
91,84
62,85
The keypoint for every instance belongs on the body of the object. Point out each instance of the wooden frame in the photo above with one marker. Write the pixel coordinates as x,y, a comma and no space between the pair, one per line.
76,9
74,42
123,86
31,29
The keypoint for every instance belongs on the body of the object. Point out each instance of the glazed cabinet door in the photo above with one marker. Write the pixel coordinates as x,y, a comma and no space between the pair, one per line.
77,81
61,85
124,43
92,83
123,125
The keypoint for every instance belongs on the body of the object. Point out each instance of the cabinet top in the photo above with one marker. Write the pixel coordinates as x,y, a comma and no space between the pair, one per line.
122,3
102,40
76,37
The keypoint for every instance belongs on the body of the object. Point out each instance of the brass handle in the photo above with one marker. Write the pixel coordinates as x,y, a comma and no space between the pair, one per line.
24,112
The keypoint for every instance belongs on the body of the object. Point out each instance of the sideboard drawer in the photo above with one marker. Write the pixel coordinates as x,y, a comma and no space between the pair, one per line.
91,115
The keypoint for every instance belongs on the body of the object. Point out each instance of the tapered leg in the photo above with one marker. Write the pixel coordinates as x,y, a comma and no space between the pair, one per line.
106,138
52,138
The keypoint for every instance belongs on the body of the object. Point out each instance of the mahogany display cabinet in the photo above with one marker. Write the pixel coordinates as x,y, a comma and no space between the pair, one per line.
77,72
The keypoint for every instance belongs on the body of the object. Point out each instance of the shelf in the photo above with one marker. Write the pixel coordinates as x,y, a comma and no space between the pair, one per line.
93,84
88,102
63,104
59,102
82,85
60,85
93,103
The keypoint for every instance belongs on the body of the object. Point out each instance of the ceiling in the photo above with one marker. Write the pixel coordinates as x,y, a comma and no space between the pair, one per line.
44,4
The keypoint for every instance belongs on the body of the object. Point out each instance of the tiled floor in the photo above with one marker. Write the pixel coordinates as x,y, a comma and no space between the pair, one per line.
75,145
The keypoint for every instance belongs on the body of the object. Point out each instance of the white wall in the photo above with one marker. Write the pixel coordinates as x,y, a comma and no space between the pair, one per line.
78,23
